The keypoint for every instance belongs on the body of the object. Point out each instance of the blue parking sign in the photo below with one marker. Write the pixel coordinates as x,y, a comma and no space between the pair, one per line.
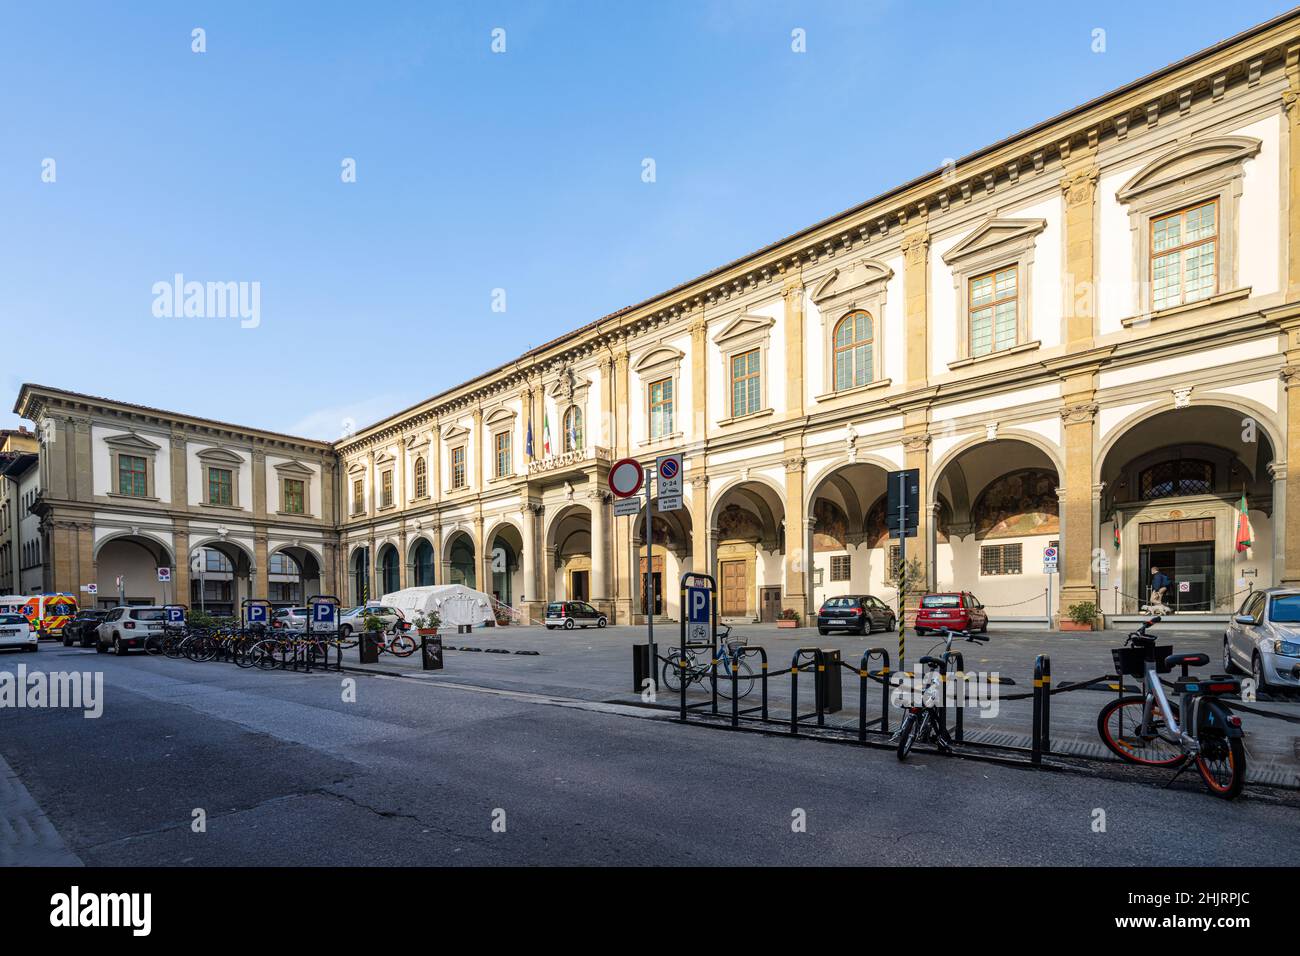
323,613
257,614
697,605
176,615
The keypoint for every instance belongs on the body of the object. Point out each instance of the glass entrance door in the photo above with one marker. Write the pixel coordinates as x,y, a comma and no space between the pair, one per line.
1190,565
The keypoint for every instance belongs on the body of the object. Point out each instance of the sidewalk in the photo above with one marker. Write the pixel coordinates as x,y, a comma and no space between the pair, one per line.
596,665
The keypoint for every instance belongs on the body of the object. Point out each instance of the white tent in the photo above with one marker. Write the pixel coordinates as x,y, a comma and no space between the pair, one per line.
456,604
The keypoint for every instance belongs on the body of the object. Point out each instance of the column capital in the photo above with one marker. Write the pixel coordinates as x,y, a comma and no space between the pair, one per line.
795,464
916,246
1080,185
913,444
1079,413
1290,376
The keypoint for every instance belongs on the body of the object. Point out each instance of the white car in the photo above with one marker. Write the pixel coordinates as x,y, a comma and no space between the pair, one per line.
16,631
129,627
353,619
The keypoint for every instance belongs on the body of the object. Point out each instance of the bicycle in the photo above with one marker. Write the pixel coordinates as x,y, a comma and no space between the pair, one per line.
731,659
1144,729
922,721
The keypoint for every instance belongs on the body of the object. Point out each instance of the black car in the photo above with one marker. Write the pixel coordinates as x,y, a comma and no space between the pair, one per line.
80,631
857,613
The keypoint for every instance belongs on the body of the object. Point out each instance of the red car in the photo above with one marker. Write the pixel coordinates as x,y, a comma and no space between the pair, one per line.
959,610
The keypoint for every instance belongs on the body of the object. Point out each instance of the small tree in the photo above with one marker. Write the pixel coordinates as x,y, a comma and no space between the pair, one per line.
909,576
1085,612
371,622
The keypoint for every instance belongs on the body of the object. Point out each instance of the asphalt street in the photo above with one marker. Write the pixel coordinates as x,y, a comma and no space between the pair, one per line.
283,769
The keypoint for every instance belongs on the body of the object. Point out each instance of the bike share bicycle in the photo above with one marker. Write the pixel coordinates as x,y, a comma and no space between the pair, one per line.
923,721
1147,729
731,658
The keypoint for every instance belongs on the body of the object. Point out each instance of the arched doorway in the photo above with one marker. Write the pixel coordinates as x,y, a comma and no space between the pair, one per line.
747,523
1173,485
460,560
127,571
422,562
998,509
672,555
220,577
359,574
850,545
505,548
390,571
568,545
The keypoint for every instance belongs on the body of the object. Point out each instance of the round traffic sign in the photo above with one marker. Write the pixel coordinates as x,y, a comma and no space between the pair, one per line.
625,477
668,468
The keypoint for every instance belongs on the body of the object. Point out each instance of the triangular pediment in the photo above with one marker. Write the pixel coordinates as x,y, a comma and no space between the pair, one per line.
294,469
1189,159
131,441
743,325
452,432
853,276
500,416
993,234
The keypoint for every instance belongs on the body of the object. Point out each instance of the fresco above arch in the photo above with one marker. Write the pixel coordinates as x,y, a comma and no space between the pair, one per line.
1021,503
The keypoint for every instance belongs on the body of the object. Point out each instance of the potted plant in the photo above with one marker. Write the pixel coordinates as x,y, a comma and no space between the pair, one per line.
789,617
426,625
372,623
1080,617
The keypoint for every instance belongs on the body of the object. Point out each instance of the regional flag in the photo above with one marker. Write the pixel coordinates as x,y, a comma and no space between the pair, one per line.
1243,526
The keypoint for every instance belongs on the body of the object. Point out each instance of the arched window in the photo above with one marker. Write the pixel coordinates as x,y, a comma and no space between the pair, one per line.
854,340
1172,479
573,429
421,477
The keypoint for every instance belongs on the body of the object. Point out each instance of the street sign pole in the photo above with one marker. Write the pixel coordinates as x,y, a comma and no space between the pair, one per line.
902,564
649,568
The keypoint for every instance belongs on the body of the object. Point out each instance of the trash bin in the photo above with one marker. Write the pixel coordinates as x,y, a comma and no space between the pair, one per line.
830,689
431,651
642,667
368,646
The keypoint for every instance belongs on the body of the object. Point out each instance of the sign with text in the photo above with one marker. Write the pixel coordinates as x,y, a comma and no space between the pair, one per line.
627,506
669,468
903,501
1050,558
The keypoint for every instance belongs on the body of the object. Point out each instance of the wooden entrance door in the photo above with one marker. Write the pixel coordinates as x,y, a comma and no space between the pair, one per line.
734,602
770,604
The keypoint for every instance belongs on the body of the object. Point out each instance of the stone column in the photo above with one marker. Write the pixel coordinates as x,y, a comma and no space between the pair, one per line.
792,292
181,553
1079,185
372,496
484,556
372,572
699,506
1277,472
916,294
180,478
403,561
258,576
476,453
599,550
797,556
916,452
531,606
1078,417
1290,98
1291,498
259,484
548,575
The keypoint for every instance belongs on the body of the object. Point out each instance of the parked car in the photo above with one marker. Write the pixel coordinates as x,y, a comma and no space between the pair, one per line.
124,628
959,610
571,614
353,619
80,631
294,617
17,631
859,613
1263,638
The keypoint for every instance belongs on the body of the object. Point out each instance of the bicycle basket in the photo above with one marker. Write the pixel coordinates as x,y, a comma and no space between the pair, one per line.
1131,661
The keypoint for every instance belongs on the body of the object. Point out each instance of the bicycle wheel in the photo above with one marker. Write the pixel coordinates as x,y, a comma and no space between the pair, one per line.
403,645
200,649
744,680
263,655
672,673
1118,724
907,733
153,644
1222,764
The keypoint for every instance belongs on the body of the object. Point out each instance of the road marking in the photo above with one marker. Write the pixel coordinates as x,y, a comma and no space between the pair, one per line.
27,836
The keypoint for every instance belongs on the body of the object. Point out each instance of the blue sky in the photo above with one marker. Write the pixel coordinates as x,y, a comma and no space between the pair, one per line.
475,171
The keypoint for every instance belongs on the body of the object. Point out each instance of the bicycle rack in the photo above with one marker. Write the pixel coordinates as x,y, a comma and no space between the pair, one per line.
1042,736
958,677
736,711
819,663
865,675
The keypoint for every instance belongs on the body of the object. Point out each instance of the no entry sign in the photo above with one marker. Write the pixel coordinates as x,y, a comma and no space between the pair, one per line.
625,477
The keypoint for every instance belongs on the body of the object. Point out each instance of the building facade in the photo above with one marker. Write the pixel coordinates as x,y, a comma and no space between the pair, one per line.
1082,337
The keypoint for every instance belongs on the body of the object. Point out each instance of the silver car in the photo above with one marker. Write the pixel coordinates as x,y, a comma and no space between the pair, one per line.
353,619
1263,638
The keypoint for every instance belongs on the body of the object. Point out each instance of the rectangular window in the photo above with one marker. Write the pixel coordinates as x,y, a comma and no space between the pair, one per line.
132,476
358,496
1183,254
746,384
502,442
221,486
895,556
998,559
295,496
841,567
386,489
661,408
458,467
993,319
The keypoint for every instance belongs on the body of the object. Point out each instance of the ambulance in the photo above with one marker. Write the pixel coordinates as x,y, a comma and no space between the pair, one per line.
47,613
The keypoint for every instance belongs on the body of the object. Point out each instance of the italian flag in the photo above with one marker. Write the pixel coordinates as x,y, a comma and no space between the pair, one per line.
1115,529
546,433
1243,526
